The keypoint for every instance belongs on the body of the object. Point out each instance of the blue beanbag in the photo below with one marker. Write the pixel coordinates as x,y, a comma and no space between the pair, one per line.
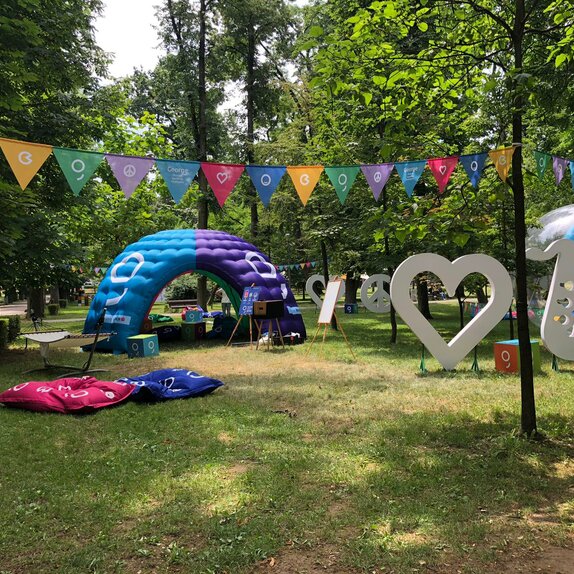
170,384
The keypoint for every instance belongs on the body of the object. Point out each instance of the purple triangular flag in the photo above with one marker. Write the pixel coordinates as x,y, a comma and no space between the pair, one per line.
129,170
559,164
377,176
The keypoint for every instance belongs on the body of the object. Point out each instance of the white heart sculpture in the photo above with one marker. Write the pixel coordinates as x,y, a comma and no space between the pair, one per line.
222,177
451,274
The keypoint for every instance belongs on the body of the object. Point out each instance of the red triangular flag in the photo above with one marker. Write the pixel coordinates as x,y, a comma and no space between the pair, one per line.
442,169
222,178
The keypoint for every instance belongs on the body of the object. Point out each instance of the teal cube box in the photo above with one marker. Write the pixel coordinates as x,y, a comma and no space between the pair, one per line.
193,316
351,308
143,346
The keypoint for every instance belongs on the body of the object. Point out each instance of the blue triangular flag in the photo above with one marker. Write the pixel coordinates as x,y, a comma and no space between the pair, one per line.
473,165
410,172
265,178
178,175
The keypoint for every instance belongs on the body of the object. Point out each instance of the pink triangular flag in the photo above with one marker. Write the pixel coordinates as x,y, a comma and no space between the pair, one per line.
442,169
222,178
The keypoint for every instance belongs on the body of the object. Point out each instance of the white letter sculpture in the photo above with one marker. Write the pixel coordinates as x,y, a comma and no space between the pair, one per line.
557,321
451,274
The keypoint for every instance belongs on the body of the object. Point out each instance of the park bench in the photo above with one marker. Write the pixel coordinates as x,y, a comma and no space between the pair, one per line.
181,303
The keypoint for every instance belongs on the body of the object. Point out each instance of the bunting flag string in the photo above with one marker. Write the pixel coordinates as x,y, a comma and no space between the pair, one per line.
78,166
295,266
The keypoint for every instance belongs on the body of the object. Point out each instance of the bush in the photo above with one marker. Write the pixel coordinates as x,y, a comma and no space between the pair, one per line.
3,334
63,303
53,308
13,328
184,287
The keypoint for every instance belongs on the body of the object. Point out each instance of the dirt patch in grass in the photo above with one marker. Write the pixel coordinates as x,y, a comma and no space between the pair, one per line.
544,560
291,559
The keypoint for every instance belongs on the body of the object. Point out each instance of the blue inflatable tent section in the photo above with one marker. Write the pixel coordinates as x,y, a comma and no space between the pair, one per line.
137,276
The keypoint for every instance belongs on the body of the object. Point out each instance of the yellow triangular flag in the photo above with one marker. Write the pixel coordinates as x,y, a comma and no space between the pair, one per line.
304,178
25,158
502,159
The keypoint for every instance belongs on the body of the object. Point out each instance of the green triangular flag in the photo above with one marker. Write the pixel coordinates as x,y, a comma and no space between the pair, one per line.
342,177
542,160
78,166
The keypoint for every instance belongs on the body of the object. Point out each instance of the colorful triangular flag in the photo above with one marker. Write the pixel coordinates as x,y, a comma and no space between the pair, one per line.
473,165
304,178
178,176
25,158
559,165
542,159
442,169
502,159
129,170
265,178
342,177
222,178
410,172
377,176
78,166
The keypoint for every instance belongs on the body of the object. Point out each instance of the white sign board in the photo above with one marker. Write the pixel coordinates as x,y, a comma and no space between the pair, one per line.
332,294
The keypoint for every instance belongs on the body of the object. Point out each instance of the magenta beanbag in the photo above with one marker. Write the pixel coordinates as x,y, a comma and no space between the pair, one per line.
70,395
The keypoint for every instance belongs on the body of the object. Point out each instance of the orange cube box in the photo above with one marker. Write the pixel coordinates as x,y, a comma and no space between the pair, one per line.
507,356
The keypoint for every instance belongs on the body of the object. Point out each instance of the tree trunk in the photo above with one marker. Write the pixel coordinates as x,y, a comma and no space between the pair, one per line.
36,303
55,294
393,313
202,206
326,277
251,54
505,244
481,296
423,298
352,283
528,415
460,297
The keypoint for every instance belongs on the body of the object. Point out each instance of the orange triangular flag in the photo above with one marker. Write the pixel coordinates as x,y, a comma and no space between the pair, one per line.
502,159
25,158
304,178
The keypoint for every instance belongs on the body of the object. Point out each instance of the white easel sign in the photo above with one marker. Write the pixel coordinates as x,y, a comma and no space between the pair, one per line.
332,295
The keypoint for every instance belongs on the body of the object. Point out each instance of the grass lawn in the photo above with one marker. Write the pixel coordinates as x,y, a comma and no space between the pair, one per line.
299,464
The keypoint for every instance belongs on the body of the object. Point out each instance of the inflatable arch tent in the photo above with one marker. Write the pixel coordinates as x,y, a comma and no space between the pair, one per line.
137,276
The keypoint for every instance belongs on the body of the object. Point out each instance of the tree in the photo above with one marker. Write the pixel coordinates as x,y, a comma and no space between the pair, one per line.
405,60
46,93
257,40
189,28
